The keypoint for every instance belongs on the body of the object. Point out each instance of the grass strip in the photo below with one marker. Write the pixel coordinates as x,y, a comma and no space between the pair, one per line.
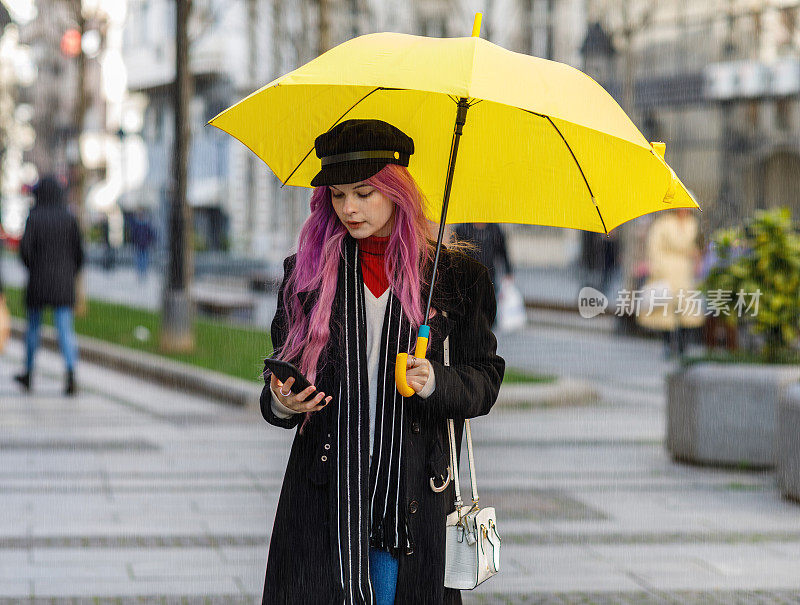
220,346
513,376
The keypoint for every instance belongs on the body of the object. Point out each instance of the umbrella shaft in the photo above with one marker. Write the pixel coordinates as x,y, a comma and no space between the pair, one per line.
461,118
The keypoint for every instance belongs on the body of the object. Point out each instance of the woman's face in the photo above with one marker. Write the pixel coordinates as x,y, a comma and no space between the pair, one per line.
363,209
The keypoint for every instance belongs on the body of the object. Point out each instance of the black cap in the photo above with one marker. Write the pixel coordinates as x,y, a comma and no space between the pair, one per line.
355,150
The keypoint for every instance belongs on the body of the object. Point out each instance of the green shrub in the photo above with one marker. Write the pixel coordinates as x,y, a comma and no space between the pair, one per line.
761,257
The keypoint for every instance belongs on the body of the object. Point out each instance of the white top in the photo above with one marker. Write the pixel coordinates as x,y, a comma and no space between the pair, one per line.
375,310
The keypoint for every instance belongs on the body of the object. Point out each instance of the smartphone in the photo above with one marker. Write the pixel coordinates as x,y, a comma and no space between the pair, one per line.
284,370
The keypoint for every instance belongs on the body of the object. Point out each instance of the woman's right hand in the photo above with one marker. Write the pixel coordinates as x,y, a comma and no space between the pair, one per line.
298,402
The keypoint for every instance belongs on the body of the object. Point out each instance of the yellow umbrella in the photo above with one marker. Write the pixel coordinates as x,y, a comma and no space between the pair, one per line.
535,141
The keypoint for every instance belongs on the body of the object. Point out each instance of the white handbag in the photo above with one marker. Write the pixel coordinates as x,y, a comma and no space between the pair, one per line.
472,542
511,314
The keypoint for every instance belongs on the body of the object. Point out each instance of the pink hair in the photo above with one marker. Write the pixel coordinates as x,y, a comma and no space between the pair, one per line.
319,249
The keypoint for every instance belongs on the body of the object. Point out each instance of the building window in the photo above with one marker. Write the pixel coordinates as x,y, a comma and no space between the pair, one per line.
160,122
789,23
752,113
783,114
136,29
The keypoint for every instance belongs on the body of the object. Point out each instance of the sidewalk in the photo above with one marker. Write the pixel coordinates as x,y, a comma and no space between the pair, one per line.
137,493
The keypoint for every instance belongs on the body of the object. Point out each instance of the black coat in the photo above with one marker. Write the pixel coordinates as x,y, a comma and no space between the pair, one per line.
300,563
52,251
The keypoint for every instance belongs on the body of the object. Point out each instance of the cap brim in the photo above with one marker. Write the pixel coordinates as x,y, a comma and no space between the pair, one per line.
347,172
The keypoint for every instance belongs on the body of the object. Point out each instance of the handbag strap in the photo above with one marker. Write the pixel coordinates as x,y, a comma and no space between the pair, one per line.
451,435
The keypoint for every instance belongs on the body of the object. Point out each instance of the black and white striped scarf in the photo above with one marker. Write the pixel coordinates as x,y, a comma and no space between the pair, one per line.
368,501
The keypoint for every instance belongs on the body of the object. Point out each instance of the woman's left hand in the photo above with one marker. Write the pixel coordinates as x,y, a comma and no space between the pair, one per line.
417,372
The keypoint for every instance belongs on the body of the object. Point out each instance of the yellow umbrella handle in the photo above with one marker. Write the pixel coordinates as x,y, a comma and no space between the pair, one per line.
402,361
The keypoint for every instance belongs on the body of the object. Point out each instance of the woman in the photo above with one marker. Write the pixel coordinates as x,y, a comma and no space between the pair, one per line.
672,255
357,520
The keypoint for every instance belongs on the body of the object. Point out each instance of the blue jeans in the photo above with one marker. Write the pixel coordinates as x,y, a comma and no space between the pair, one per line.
142,261
383,573
62,316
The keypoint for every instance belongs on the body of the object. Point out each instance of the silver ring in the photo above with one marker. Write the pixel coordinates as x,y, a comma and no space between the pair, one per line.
285,394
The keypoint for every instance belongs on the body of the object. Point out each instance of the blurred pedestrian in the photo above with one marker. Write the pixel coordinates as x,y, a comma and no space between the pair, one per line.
52,250
143,236
610,261
673,256
2,245
600,259
5,316
109,254
489,243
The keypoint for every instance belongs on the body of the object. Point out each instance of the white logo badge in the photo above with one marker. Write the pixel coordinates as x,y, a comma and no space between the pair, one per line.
591,302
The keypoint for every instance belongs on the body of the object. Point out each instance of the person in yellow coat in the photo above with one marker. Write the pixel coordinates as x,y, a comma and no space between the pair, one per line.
670,302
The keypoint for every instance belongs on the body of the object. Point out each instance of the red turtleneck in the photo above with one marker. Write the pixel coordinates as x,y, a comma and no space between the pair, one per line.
373,249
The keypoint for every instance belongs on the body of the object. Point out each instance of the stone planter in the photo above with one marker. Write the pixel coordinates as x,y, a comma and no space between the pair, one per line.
726,414
788,443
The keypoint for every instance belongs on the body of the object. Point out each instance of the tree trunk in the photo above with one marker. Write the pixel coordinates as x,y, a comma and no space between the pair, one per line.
325,41
79,184
176,326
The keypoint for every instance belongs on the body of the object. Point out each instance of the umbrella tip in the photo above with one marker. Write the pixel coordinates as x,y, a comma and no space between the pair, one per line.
476,25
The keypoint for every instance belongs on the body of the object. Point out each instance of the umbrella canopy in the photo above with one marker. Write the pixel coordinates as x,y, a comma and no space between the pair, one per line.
543,143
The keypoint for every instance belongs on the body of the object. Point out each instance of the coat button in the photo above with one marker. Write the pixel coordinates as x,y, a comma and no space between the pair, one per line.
415,427
413,507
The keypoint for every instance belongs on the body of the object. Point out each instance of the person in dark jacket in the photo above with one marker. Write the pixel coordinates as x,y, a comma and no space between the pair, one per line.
600,259
143,236
52,250
2,244
357,519
489,243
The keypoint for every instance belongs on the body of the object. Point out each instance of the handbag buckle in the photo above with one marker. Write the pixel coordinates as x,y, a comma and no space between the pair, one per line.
445,481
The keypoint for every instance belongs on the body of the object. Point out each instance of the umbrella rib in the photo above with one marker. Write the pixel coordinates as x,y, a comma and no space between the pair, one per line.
577,163
334,124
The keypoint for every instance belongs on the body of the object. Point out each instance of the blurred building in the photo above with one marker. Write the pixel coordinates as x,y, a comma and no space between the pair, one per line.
78,114
17,71
719,81
52,96
238,47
